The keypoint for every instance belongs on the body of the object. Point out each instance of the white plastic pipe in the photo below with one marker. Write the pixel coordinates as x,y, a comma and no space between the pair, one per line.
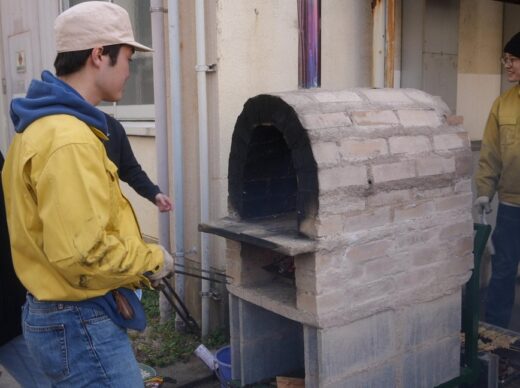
177,141
203,157
159,94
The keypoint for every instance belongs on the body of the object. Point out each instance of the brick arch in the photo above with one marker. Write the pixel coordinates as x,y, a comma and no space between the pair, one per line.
271,165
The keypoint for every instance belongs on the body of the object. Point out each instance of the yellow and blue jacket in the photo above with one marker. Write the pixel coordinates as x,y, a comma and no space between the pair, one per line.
74,236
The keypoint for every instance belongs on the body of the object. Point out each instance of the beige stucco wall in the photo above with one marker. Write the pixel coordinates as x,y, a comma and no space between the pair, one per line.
146,212
480,47
346,50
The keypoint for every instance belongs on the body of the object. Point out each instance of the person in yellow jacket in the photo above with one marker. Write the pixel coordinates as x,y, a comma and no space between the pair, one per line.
75,241
499,171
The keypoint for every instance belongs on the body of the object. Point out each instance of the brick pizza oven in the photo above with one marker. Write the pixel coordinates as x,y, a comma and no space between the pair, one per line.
349,237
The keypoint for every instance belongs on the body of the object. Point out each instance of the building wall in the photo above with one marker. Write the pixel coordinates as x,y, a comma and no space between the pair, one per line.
479,69
346,50
143,146
27,48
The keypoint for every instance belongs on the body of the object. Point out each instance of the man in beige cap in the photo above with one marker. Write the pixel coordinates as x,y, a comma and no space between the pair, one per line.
75,242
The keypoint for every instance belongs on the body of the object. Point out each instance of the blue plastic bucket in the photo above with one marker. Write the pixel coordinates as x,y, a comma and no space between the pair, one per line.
223,357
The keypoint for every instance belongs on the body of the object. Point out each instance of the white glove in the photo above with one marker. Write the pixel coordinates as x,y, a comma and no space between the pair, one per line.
166,269
482,204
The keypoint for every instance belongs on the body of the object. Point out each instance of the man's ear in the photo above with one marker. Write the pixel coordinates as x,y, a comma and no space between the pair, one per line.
97,56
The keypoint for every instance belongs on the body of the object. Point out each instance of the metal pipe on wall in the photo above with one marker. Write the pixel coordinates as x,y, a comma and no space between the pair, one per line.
177,141
309,61
201,69
161,138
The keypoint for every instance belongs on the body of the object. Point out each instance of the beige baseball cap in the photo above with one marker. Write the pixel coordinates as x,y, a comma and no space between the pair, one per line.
94,24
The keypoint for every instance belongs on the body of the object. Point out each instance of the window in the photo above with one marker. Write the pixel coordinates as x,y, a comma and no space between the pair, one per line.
137,101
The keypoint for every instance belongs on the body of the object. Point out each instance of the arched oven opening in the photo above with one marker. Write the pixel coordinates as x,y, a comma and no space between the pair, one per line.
272,171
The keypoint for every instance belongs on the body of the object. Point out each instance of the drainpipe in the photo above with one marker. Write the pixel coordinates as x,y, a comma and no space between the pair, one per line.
159,93
201,69
176,143
309,62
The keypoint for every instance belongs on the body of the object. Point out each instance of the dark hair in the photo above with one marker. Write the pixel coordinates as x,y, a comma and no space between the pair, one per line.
72,61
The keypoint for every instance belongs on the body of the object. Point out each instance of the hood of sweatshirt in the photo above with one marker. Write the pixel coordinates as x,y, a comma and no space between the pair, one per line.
52,96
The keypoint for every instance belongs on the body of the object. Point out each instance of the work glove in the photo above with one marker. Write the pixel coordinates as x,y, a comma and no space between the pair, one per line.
167,268
482,204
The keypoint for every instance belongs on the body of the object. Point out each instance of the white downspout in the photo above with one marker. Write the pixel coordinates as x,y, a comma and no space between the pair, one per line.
201,69
159,93
176,143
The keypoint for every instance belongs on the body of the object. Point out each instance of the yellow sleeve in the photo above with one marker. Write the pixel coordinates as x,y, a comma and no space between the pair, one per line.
490,161
81,211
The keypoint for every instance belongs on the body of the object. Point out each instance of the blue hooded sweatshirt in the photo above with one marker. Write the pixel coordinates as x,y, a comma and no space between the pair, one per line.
52,96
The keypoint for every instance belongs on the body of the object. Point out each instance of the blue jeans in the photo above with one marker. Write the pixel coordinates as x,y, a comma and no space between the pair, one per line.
504,266
79,346
15,357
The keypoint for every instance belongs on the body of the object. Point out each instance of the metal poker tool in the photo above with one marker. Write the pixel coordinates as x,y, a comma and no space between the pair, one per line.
180,308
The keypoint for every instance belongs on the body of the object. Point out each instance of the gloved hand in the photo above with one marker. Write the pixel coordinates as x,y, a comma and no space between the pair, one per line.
482,204
166,269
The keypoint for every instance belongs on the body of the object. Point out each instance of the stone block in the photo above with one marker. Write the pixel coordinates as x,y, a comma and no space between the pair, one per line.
415,279
329,225
296,99
234,330
454,202
368,251
311,354
450,141
419,118
337,96
325,153
413,211
306,301
429,366
380,376
435,165
374,118
393,197
454,120
325,120
409,144
381,267
333,178
431,321
393,171
362,149
457,230
348,348
387,96
373,291
367,220
419,96
463,186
